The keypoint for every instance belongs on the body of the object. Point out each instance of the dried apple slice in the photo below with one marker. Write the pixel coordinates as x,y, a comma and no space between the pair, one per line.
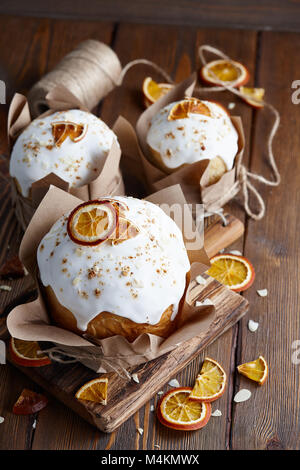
186,107
29,403
224,72
177,411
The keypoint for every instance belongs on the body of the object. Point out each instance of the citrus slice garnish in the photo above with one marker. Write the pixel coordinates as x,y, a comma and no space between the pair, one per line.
234,271
186,107
255,370
63,129
29,403
27,353
152,90
95,390
222,71
210,382
175,410
253,96
92,222
125,230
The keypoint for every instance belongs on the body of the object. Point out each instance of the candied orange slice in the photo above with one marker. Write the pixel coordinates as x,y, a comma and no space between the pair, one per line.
95,390
253,96
29,403
210,383
186,107
92,222
177,411
234,271
27,353
222,71
63,129
255,370
152,90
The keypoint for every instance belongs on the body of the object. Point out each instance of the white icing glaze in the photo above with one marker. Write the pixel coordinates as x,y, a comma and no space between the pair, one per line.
137,279
34,154
194,138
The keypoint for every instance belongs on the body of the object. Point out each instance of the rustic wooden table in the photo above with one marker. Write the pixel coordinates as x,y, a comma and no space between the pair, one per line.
270,419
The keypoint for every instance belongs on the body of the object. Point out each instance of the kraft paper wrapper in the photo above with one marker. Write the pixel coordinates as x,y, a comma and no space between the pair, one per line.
193,178
108,182
31,321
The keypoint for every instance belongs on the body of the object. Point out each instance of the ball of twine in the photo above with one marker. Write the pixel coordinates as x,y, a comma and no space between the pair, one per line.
90,72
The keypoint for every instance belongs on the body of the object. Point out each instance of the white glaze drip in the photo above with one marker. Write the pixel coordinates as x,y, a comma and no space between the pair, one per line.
137,279
194,138
34,154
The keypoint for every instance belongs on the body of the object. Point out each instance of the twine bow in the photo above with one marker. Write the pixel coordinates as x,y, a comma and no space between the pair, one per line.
243,175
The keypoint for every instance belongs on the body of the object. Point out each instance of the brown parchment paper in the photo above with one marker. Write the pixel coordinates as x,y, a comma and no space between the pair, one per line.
108,182
193,178
31,321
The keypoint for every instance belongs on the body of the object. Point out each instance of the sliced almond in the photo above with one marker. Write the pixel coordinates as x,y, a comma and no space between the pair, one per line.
242,395
252,325
262,292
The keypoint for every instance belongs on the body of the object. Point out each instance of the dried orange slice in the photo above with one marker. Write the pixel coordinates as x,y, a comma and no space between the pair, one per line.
152,90
27,353
63,129
186,107
175,410
222,71
95,390
253,96
92,222
255,370
234,271
210,383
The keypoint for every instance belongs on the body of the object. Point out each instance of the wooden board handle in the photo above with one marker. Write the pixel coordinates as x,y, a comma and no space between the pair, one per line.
217,236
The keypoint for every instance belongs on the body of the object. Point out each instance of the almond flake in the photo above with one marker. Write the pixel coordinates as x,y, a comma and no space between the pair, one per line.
140,431
34,424
135,378
1,419
252,325
217,413
242,395
262,292
231,105
200,280
152,408
75,281
160,393
157,446
235,252
7,288
174,383
205,302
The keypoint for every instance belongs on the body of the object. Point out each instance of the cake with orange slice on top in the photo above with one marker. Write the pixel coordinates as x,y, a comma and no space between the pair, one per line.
73,144
187,131
115,266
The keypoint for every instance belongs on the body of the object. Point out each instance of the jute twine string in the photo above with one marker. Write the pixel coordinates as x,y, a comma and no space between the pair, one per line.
71,356
93,69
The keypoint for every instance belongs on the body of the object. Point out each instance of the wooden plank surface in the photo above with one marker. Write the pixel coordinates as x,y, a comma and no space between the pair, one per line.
270,418
272,415
254,14
126,397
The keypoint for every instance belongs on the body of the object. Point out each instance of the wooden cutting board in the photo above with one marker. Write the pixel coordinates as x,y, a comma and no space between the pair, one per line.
124,397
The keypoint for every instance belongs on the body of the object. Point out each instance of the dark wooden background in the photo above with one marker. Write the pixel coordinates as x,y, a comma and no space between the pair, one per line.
270,419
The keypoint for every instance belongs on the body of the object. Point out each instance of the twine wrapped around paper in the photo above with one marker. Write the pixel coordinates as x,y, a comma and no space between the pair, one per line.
109,181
